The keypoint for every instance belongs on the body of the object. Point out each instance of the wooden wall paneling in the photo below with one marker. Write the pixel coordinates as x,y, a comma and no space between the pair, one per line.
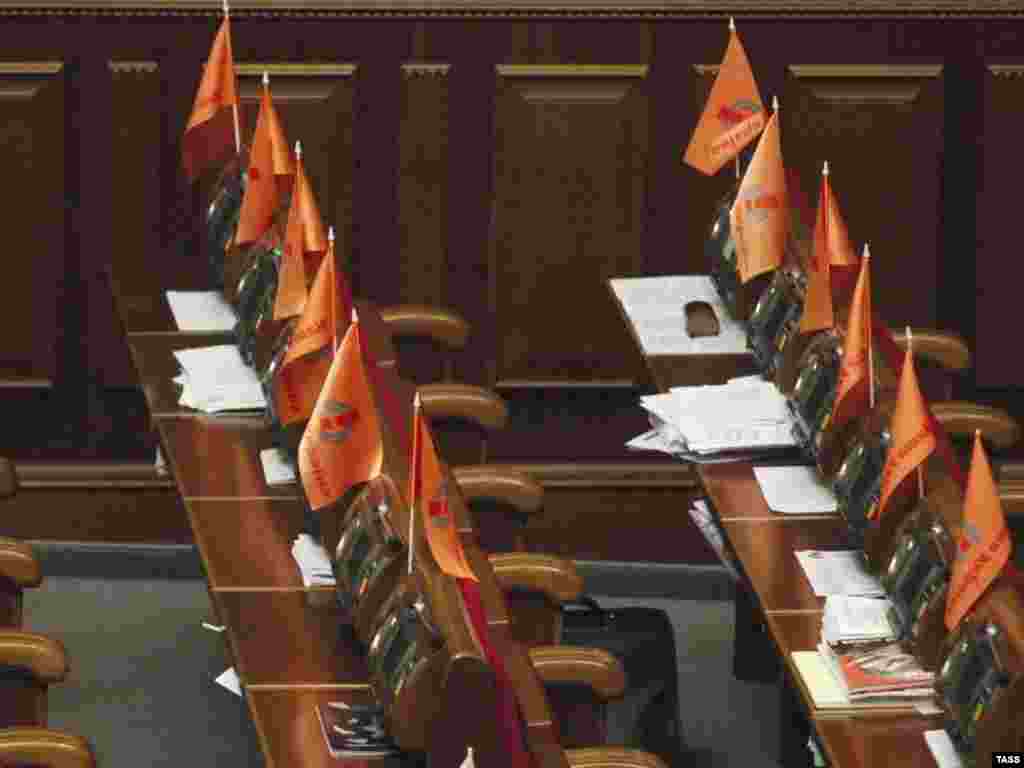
880,126
997,363
570,175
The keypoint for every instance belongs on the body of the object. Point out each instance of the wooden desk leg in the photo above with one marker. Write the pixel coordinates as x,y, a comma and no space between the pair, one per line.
753,654
794,728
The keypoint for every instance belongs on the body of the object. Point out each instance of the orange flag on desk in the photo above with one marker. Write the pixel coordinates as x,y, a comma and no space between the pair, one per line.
760,216
983,541
831,239
818,313
342,442
324,319
913,439
733,115
210,133
304,234
853,390
428,495
270,166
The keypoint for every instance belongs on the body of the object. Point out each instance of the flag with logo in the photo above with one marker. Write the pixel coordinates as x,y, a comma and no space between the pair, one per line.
982,543
341,445
818,312
270,166
304,234
760,217
210,132
428,496
733,115
310,350
853,392
913,439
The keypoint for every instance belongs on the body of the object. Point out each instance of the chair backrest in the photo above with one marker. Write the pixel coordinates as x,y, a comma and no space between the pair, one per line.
44,748
19,570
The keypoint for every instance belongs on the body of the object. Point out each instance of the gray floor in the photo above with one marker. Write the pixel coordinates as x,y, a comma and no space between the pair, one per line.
141,687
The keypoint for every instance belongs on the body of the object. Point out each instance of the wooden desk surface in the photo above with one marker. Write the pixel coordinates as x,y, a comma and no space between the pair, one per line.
892,742
734,491
292,638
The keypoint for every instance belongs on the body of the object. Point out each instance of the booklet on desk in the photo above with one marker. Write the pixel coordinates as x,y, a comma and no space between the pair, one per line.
827,693
345,738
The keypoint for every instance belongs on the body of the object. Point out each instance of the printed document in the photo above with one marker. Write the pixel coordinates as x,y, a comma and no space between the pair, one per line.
201,311
795,490
842,572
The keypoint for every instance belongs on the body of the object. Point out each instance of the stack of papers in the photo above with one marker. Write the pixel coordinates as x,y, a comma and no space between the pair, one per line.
277,470
216,379
838,572
879,673
795,490
850,619
313,561
744,415
201,311
656,306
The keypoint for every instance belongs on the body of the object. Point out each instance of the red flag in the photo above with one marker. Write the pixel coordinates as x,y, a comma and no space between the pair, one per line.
733,115
210,133
982,543
304,233
428,497
853,391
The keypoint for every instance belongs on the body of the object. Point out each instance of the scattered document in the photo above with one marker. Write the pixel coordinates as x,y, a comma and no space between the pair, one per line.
838,572
216,379
656,306
229,679
201,311
276,468
795,490
313,561
942,749
853,619
656,439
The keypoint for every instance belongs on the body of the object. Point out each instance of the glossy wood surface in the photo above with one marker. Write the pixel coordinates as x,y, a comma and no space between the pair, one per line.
292,638
736,495
289,729
218,456
893,742
246,544
766,549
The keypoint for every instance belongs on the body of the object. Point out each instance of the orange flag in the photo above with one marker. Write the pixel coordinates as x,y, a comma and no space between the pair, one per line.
831,239
733,116
305,364
760,215
342,442
818,298
913,439
983,541
304,233
211,131
428,495
270,163
855,374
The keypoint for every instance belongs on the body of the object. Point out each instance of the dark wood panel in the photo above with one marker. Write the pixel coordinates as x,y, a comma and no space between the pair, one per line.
32,114
570,168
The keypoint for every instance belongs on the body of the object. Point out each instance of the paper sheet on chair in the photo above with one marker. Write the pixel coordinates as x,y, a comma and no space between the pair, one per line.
201,311
795,490
838,572
657,308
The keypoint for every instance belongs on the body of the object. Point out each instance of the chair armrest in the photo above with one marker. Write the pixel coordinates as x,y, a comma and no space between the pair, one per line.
441,325
961,419
41,656
481,406
19,564
487,481
44,748
8,478
941,347
554,577
568,665
612,757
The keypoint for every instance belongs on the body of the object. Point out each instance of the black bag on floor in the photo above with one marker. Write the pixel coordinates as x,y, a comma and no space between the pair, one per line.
647,716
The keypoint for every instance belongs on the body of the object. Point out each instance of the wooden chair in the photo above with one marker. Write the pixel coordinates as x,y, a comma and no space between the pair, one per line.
502,501
441,327
44,748
19,570
29,664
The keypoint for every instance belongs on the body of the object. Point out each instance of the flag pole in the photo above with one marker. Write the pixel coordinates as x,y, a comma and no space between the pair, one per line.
871,346
920,467
334,302
234,107
414,470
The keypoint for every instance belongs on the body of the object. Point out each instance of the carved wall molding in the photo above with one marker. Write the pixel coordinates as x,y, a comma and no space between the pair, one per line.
865,83
132,67
425,70
291,81
23,79
1006,70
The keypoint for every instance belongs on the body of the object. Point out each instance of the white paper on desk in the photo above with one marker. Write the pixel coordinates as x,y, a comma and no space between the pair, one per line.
201,311
850,618
842,572
795,490
276,469
229,679
942,749
313,561
217,379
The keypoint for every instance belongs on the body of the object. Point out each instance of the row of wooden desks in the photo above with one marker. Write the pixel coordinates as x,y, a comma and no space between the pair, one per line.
764,544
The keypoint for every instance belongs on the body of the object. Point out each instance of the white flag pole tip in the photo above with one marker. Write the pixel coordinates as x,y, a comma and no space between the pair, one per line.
330,234
355,315
824,169
224,5
266,79
298,149
732,24
867,251
775,103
